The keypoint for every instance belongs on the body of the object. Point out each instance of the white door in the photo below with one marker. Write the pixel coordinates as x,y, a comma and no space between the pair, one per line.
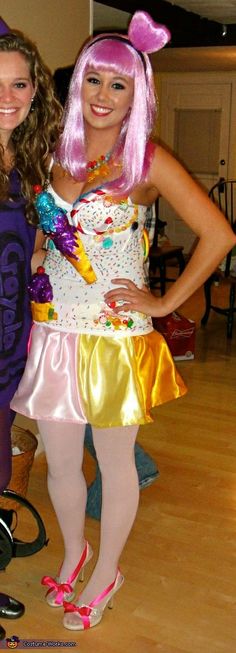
195,124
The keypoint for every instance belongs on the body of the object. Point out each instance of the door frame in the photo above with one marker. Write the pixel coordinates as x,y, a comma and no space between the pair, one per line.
176,230
165,80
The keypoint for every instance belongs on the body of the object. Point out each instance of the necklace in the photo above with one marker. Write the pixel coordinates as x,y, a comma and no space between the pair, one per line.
98,167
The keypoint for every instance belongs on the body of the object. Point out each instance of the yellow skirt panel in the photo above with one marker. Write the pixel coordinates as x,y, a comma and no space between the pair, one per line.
121,379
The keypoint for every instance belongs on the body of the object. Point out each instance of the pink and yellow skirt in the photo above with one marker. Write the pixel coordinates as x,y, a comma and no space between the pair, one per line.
103,380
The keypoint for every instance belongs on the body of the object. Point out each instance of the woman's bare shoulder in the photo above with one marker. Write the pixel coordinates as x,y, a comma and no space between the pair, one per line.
168,175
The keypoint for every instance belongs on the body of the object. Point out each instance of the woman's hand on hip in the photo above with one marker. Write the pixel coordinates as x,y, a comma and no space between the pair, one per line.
133,299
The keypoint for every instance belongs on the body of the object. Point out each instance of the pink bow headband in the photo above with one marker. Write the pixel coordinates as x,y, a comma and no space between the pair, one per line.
144,35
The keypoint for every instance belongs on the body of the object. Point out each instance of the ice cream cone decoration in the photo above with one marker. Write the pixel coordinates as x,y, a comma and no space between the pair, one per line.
40,293
54,223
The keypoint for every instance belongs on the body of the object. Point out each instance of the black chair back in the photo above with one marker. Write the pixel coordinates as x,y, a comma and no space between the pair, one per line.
224,195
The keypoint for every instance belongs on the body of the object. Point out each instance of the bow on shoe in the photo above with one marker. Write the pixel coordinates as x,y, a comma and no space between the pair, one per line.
61,588
84,611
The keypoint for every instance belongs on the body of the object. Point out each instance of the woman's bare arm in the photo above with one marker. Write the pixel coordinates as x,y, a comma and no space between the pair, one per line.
215,238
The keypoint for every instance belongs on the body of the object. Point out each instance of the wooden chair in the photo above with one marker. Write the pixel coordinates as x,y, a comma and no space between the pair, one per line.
159,257
224,194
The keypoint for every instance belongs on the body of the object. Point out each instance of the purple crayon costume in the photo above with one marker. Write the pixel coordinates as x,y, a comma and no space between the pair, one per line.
16,248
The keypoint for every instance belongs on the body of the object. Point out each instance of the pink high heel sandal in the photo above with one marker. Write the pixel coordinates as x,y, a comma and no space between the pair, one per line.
90,615
58,591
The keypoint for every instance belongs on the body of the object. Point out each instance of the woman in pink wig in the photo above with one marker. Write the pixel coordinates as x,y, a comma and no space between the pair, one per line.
94,357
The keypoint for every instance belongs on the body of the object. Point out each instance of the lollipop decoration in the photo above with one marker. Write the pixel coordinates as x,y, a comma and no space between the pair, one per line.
54,223
40,293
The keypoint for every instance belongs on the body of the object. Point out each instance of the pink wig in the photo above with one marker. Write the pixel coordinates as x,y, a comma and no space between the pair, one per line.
122,56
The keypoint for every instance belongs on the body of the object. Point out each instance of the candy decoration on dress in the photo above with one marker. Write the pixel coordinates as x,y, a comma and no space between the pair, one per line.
54,223
113,322
146,244
41,295
104,232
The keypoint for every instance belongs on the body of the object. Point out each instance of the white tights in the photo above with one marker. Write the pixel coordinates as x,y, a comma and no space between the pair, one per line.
64,447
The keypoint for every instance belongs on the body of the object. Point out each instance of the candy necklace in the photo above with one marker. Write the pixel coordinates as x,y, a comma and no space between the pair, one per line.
98,167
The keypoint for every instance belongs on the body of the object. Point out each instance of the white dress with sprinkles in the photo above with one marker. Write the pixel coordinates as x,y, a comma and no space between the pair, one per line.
112,235
90,364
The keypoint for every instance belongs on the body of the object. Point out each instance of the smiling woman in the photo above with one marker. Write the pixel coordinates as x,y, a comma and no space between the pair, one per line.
29,115
96,357
107,98
16,95
26,138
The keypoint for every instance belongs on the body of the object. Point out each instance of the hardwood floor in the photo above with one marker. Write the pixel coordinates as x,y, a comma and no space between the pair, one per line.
179,595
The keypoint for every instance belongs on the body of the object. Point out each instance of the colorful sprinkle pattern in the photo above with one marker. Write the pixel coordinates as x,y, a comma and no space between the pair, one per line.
112,235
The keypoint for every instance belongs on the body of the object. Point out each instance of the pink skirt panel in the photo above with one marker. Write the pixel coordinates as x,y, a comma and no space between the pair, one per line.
36,400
